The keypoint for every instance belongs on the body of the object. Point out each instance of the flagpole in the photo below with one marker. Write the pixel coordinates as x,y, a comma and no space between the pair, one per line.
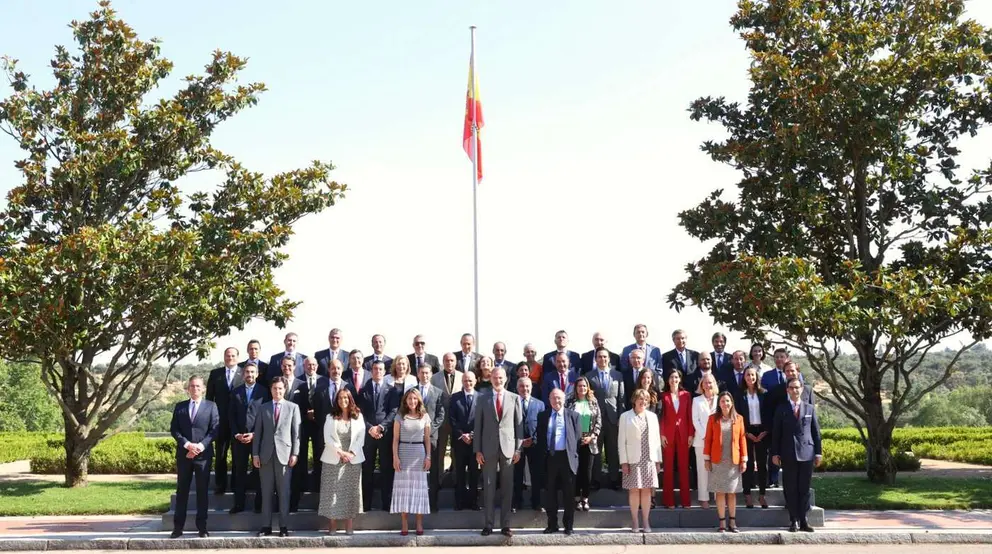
475,186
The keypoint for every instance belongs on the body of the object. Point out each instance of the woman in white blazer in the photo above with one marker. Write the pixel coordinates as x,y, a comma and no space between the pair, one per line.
703,407
639,445
341,476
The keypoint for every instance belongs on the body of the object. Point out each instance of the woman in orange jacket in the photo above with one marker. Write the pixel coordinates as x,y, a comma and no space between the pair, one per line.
725,453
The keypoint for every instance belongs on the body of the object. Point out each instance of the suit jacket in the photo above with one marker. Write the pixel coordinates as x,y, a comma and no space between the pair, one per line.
652,357
310,401
202,430
322,401
263,370
778,395
726,365
332,443
279,439
796,439
770,379
349,377
297,394
548,362
572,435
324,360
219,393
456,386
367,362
713,443
691,381
588,361
462,414
275,365
510,368
595,422
670,361
552,381
676,424
730,379
378,409
242,410
473,363
610,399
435,401
494,435
740,401
429,359
529,424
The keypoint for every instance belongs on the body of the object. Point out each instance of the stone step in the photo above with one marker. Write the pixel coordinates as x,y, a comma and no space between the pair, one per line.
604,498
600,519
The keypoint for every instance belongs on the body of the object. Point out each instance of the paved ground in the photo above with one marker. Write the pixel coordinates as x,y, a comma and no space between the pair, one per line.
632,549
930,468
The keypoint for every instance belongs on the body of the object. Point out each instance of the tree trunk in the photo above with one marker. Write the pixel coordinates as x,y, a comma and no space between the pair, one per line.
77,458
880,465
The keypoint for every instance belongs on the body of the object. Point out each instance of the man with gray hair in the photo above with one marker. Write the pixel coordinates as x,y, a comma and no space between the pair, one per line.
498,430
532,459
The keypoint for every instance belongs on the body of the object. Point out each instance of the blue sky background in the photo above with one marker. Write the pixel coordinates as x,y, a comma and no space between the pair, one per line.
589,154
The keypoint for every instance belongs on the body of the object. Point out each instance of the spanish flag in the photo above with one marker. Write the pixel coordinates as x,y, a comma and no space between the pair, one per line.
473,118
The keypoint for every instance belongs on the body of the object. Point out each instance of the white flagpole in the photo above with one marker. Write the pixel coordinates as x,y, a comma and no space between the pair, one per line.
475,186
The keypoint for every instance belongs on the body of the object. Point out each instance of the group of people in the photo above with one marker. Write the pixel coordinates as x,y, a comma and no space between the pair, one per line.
722,422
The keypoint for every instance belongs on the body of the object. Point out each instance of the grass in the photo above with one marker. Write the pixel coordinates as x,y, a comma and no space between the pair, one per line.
30,498
911,492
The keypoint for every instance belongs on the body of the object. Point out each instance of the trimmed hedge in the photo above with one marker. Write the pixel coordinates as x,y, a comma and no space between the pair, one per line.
971,445
22,446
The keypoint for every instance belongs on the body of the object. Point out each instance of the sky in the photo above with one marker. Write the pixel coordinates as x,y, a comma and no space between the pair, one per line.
589,155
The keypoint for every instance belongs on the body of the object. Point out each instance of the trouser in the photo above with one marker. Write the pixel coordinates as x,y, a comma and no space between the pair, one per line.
757,457
275,476
610,473
187,470
443,440
530,460
221,445
434,476
383,448
560,478
796,479
300,478
702,476
500,469
317,439
466,473
245,475
583,481
772,470
676,454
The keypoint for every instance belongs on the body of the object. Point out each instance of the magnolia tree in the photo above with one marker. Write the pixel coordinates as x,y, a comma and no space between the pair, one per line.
853,225
103,257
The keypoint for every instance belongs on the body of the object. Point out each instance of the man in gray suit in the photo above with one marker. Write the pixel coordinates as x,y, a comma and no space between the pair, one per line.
499,432
274,451
607,384
435,401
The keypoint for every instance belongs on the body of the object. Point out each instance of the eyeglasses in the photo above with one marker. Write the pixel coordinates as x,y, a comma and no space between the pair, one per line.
796,388
419,343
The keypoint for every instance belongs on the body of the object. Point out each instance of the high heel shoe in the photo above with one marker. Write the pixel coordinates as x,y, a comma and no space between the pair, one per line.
732,526
761,500
748,501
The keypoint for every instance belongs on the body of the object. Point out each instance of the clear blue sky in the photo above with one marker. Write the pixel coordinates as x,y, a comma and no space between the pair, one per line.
589,154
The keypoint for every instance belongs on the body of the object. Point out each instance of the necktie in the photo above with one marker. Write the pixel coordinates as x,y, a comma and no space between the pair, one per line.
333,390
375,391
423,392
464,363
779,376
796,411
739,379
229,375
470,398
449,381
554,432
602,379
524,405
248,393
499,406
358,383
682,358
310,389
420,362
562,380
192,412
275,413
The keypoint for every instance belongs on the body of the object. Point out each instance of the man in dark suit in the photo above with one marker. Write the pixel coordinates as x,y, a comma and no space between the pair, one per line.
558,437
275,362
420,356
195,424
435,402
357,375
245,401
559,375
652,354
462,419
774,378
607,384
561,344
532,457
378,354
796,447
588,361
680,358
311,432
378,403
500,361
467,359
323,400
691,383
332,352
630,375
720,358
734,378
254,351
220,383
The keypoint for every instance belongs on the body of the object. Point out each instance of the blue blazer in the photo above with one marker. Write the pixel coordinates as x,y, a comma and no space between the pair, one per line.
727,365
534,408
460,415
652,360
275,366
324,360
202,430
242,410
548,362
551,380
796,439
770,379
367,362
572,436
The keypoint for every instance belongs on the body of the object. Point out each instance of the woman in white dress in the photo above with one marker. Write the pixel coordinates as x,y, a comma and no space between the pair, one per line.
411,461
703,407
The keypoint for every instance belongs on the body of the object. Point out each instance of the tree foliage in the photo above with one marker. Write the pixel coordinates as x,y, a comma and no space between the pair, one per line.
103,257
854,222
26,405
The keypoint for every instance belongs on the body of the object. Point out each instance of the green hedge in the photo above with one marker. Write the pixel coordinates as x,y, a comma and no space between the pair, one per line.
121,453
971,445
22,446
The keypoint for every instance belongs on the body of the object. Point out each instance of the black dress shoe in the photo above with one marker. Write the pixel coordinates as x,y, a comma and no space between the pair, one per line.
257,510
487,531
283,532
176,534
793,527
203,534
506,531
568,531
805,527
219,491
236,510
550,530
265,532
294,509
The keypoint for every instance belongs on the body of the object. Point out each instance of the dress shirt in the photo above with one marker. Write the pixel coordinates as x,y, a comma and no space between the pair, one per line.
753,409
719,358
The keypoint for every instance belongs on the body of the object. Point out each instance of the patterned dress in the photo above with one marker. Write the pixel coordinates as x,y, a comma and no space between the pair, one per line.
726,475
410,493
341,484
642,475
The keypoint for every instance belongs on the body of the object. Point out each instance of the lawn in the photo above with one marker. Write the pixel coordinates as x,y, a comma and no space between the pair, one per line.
911,492
29,498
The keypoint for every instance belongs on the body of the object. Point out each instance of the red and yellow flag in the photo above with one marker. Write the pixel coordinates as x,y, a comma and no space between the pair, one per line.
473,119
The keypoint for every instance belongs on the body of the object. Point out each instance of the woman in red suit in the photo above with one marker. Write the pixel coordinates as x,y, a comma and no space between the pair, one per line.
676,439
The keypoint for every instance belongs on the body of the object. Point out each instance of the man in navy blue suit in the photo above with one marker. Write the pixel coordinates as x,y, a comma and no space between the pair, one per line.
220,383
378,403
462,419
558,437
796,448
588,360
652,354
680,358
254,349
357,375
306,478
245,401
334,351
195,424
532,458
559,375
275,362
720,358
378,354
561,344
776,377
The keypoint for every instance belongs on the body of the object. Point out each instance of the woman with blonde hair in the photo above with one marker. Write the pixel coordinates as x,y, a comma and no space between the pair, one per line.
703,406
639,446
583,400
411,460
400,373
